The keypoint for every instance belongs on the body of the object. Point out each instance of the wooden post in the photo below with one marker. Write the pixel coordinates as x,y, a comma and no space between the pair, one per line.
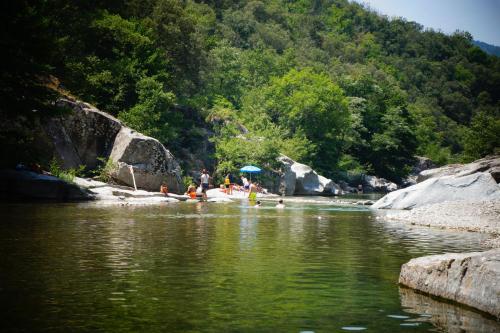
131,168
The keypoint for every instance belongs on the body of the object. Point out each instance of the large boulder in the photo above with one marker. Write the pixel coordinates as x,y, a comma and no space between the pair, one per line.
86,135
490,164
300,179
468,278
478,186
151,162
23,184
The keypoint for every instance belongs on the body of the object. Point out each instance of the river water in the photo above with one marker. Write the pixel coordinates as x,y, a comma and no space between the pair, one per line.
205,267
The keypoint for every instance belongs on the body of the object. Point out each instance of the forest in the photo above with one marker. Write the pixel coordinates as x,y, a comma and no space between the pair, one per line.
328,83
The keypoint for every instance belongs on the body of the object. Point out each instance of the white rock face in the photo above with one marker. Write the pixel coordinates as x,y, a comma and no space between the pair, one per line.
478,186
300,179
468,278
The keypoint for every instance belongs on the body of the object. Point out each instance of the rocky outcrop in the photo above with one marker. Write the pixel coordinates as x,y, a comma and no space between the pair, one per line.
82,136
477,186
300,179
87,134
21,184
489,164
468,278
151,161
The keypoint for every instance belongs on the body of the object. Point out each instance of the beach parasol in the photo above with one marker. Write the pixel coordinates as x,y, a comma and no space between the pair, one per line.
250,169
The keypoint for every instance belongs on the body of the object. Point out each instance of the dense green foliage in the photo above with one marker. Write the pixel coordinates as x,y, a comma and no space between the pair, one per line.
326,82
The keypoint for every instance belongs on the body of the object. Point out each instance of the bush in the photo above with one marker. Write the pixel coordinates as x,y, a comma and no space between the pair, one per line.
67,175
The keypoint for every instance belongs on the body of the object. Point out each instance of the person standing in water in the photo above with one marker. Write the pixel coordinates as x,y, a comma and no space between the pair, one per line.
252,191
204,179
228,185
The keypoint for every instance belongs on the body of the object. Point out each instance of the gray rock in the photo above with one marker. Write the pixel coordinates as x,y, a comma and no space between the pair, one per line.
346,188
478,186
300,179
288,176
151,161
82,136
375,184
468,278
30,185
490,164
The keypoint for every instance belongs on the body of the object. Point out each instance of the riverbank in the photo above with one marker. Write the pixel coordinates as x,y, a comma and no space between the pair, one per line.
466,215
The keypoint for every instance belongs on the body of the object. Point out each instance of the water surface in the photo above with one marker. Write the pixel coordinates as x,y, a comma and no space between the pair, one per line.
205,267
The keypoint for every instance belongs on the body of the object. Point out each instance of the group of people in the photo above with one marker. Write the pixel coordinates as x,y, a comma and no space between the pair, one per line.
248,187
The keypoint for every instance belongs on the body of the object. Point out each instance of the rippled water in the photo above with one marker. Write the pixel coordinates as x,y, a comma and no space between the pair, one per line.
200,267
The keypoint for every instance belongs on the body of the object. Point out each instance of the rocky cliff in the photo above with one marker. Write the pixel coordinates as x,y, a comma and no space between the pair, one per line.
87,134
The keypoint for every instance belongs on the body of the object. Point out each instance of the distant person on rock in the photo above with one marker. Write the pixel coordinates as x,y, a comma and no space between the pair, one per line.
204,179
191,191
280,204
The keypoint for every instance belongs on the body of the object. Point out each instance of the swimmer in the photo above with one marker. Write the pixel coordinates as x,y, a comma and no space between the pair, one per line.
280,204
257,205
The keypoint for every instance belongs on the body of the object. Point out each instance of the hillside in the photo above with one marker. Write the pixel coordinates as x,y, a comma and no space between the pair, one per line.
326,82
488,48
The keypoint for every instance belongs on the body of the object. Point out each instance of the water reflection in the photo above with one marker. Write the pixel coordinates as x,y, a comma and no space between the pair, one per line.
445,316
208,267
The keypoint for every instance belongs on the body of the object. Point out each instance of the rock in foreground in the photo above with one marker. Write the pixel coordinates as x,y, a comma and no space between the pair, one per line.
468,278
477,186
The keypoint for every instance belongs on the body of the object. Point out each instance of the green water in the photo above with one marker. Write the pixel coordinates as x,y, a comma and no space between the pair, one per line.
205,267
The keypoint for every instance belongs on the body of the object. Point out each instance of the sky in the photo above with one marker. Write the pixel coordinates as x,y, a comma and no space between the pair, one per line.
479,17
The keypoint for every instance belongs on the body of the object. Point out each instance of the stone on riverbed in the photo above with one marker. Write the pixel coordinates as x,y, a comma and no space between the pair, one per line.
468,278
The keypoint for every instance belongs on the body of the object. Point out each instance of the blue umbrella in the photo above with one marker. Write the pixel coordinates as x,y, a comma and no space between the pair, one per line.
250,169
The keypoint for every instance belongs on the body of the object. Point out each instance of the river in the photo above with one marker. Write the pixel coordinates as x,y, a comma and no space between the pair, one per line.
206,267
